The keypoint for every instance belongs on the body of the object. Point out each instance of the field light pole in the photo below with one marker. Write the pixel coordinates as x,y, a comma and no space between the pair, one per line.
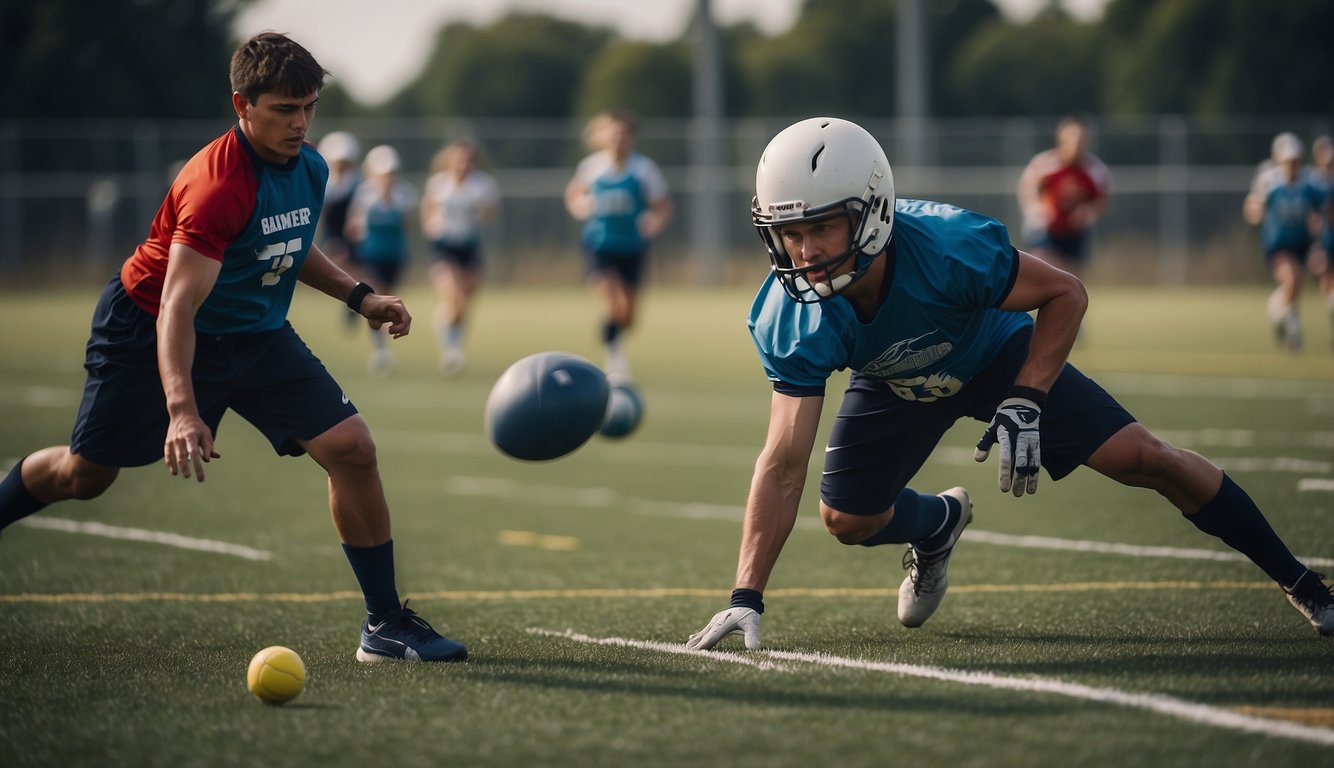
708,175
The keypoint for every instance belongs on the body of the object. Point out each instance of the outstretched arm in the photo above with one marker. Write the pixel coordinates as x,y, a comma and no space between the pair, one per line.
322,274
771,511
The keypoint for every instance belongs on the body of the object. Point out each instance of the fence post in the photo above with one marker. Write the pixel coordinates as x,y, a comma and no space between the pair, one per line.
1173,201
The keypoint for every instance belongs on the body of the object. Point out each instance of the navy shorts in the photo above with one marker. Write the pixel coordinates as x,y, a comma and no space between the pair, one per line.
627,266
879,440
271,379
383,275
464,256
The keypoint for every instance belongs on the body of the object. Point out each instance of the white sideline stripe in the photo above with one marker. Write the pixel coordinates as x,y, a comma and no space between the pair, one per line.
1154,702
140,534
1315,484
1111,548
608,498
649,645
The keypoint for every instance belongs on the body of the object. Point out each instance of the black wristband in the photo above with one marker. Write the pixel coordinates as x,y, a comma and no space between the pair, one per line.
358,295
748,598
1030,393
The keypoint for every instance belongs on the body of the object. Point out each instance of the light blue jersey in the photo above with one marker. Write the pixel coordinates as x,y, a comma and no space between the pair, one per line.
1288,207
620,196
938,327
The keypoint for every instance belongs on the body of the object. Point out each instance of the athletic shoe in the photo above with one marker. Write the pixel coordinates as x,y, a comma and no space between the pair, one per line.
1292,331
381,363
405,636
452,361
924,587
1315,599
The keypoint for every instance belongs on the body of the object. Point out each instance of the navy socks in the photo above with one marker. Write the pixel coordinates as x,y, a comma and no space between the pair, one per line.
1233,517
921,520
16,502
374,567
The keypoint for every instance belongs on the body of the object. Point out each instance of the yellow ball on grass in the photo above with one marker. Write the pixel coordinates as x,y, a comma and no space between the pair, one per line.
276,675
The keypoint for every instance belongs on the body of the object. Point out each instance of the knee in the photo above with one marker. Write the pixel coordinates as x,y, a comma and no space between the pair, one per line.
850,529
1156,465
349,446
88,481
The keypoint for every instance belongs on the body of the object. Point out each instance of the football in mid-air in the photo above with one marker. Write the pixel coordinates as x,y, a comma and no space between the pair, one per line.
625,409
546,405
276,675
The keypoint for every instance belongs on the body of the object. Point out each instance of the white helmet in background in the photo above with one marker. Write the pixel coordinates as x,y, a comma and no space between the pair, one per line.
380,160
1286,146
817,169
340,146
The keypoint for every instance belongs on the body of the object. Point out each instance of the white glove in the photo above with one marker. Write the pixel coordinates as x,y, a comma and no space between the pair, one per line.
724,623
1015,427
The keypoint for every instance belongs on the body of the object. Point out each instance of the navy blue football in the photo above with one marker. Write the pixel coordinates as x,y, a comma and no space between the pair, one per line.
546,405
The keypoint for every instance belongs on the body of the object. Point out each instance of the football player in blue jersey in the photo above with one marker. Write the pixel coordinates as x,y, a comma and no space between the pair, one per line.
621,197
928,305
1285,203
195,324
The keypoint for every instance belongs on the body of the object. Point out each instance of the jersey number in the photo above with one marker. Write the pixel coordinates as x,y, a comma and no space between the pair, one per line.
279,256
925,389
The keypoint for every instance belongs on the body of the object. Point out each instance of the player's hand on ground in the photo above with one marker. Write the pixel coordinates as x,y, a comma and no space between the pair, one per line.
188,447
381,309
724,623
1015,429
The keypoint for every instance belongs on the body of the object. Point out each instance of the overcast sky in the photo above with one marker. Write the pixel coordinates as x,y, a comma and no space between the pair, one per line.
373,49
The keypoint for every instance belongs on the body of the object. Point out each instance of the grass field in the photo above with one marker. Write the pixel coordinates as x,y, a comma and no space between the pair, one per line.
1089,625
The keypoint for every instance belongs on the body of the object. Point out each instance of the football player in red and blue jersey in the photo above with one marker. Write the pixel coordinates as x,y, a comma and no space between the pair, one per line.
1062,192
195,323
928,304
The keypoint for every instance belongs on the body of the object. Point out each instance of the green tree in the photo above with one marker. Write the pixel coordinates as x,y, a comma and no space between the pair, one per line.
149,58
653,80
524,65
837,58
1216,57
1047,66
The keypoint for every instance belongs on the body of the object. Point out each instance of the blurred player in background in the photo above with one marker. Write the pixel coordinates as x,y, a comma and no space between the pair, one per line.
1319,261
459,198
195,323
622,198
377,223
342,152
1062,192
1286,205
934,323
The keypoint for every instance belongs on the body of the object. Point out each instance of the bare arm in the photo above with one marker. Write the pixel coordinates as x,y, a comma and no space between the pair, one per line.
322,274
775,489
190,277
577,201
1060,300
657,217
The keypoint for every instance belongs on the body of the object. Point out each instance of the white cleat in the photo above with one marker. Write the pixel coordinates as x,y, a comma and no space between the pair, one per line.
924,586
1315,600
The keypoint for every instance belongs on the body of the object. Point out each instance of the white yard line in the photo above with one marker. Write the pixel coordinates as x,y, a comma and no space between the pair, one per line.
139,534
1153,702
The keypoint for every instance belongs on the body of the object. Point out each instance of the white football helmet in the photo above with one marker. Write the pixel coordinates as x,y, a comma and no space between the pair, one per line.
817,169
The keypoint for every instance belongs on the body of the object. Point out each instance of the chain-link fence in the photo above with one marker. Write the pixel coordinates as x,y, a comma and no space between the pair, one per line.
75,198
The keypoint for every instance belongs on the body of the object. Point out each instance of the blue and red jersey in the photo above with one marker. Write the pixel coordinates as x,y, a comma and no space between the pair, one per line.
257,218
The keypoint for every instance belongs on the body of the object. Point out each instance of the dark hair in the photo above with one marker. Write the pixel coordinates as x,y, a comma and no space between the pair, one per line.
273,63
